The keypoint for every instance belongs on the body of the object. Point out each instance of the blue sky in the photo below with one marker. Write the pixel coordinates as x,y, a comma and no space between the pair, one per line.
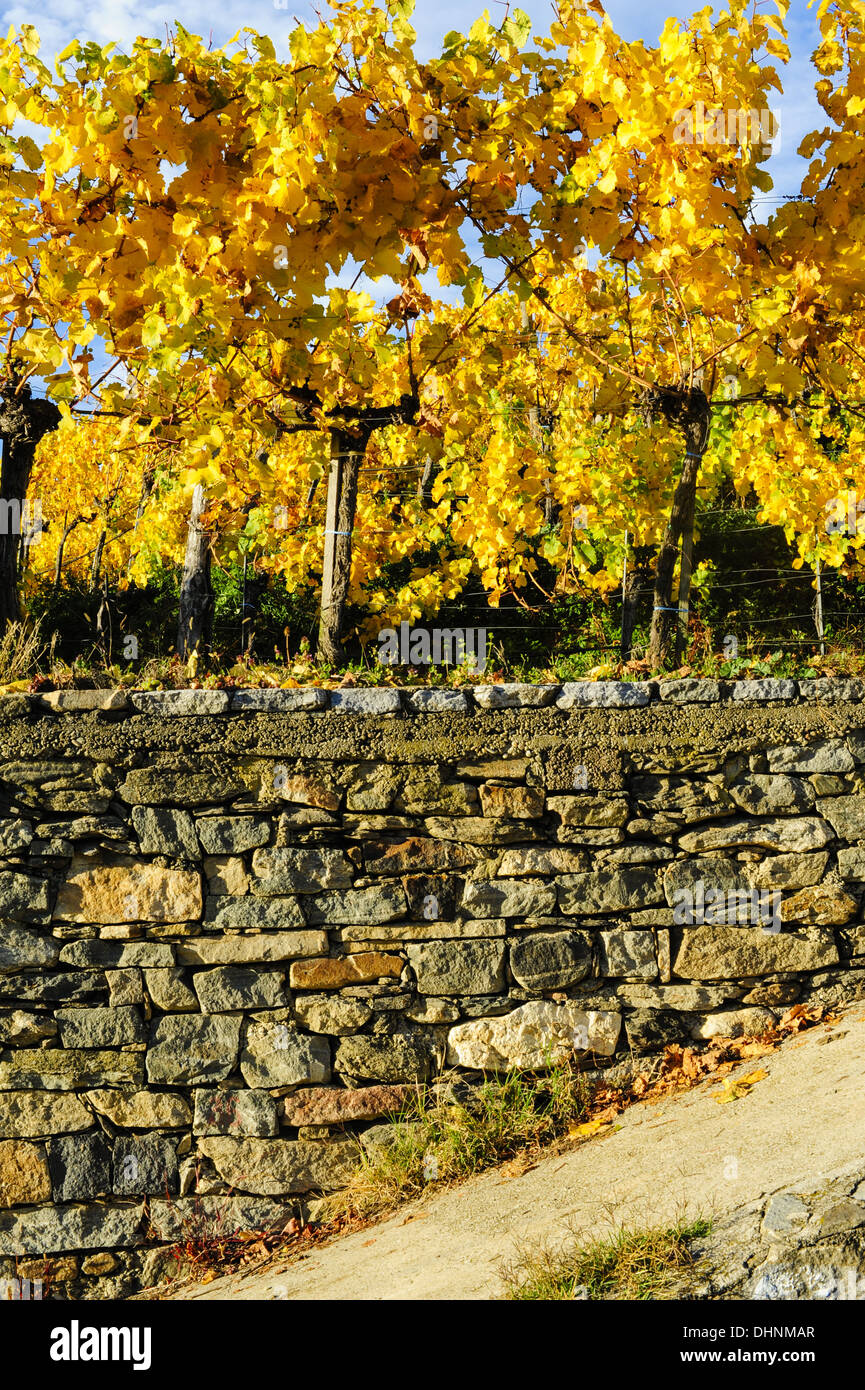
58,21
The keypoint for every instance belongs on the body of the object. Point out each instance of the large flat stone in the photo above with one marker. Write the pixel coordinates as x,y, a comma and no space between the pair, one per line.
281,701
594,811
162,702
793,835
23,898
383,704
63,1228
32,1114
141,1109
336,1105
825,906
846,815
144,893
513,695
436,701
161,831
480,830
235,1112
254,914
240,950
768,689
24,949
775,794
829,755
415,854
144,1164
231,834
502,897
331,1013
232,987
604,695
101,1027
628,955
308,870
386,902
394,1059
52,986
328,972
728,953
151,786
687,691
277,1167
609,890
172,1220
791,870
117,955
534,1037
59,1069
543,859
80,1167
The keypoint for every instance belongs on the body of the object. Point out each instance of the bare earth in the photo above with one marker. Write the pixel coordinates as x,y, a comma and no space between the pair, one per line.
673,1158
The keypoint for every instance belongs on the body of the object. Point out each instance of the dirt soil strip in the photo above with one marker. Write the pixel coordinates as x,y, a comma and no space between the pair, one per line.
666,1160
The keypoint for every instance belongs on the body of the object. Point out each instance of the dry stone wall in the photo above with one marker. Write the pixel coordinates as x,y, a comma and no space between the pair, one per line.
235,930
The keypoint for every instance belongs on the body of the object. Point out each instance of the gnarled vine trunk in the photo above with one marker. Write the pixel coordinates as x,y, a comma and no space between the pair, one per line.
690,411
347,451
24,421
196,594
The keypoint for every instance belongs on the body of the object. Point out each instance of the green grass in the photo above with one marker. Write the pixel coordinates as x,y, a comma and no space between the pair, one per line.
438,1140
629,1264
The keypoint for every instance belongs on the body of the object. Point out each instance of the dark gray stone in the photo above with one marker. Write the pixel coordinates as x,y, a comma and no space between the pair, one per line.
508,897
458,967
308,870
80,1167
386,902
648,1030
391,1059
161,831
253,914
543,961
231,834
188,1050
229,987
22,898
144,1164
22,949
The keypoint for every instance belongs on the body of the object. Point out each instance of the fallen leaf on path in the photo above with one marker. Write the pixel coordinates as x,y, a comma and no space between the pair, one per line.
582,1131
735,1089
